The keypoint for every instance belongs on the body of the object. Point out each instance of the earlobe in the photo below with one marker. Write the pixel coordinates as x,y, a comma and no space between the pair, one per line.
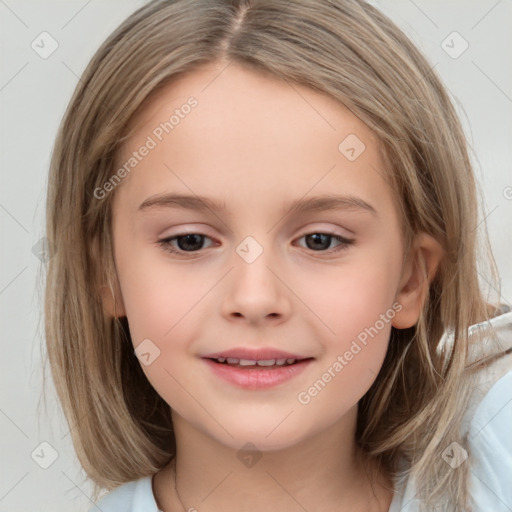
110,293
112,300
422,265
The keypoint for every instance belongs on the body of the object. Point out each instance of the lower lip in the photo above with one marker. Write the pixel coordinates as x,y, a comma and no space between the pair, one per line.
257,378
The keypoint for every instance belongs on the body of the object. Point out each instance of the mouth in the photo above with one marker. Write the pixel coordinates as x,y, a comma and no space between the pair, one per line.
256,369
257,363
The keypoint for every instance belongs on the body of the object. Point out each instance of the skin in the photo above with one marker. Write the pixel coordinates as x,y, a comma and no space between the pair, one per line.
256,144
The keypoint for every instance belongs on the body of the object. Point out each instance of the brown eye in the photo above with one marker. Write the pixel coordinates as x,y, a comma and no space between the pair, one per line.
191,242
321,242
184,243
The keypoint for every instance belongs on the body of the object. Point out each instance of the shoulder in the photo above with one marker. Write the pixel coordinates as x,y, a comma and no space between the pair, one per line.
489,444
136,496
490,342
485,426
489,425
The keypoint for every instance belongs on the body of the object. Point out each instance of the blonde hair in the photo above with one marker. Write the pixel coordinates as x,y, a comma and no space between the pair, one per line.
122,428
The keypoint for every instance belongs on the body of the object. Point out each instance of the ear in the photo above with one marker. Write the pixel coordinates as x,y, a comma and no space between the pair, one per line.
424,259
109,292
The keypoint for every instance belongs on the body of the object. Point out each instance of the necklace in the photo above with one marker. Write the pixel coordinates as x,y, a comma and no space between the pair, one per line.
176,486
176,489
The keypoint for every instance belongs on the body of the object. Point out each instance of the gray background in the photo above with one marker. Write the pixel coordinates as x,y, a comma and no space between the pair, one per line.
33,95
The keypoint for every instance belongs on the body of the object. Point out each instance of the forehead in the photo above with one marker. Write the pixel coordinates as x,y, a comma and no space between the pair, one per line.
223,90
250,132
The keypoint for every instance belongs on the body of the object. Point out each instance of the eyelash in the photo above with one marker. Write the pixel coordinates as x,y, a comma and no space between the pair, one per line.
165,243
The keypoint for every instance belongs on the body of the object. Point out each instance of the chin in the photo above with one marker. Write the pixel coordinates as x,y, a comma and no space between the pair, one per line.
265,436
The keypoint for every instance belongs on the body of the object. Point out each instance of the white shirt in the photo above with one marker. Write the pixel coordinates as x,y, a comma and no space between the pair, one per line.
488,422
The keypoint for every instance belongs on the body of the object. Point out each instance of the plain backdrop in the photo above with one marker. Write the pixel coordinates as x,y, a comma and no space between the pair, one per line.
34,92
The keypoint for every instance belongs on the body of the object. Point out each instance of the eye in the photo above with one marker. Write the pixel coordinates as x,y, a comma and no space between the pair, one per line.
194,242
319,242
186,243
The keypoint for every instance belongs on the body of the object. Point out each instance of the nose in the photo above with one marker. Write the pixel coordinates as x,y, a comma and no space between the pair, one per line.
256,293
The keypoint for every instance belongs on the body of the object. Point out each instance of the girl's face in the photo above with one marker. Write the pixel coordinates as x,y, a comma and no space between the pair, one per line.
253,225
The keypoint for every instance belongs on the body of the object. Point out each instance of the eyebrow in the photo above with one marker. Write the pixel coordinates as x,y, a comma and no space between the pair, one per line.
199,203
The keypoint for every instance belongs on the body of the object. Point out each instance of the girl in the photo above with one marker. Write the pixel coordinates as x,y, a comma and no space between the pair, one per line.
325,344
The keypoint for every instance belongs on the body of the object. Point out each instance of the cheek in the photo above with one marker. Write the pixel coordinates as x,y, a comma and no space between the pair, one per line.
162,319
353,297
356,305
164,306
353,355
159,298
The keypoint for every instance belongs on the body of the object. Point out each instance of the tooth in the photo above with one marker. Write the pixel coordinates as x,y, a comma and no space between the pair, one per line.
221,359
280,362
290,361
246,362
267,362
232,360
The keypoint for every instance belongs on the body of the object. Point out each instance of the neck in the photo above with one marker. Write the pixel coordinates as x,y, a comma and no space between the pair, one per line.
322,473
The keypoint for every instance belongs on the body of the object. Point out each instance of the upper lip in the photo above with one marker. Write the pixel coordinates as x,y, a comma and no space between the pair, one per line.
254,354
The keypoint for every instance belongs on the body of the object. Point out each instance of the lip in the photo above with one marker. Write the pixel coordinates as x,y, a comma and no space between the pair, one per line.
257,354
256,378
